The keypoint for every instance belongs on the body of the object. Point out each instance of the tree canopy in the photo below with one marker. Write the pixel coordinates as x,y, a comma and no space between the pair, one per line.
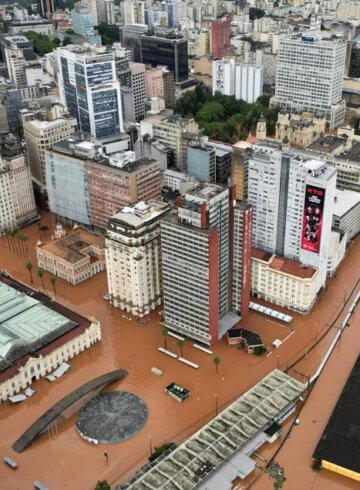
109,33
42,44
224,118
255,13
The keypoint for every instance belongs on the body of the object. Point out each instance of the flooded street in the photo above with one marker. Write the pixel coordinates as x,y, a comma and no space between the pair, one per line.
62,460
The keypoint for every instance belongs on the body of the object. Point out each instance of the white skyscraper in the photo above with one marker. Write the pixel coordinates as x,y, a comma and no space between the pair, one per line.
133,257
292,198
309,76
242,80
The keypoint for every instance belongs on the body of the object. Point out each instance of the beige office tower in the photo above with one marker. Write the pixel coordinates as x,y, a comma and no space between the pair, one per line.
133,257
239,172
41,135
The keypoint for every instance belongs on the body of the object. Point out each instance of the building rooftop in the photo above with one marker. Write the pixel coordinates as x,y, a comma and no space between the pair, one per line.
326,144
205,455
340,442
292,267
283,264
29,321
353,154
75,246
139,214
204,191
345,200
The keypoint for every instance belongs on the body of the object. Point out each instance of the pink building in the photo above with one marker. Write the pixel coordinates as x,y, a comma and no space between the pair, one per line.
154,82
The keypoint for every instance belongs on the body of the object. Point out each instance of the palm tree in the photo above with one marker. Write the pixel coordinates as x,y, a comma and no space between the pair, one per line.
25,239
102,485
181,344
29,267
40,273
53,281
216,361
165,333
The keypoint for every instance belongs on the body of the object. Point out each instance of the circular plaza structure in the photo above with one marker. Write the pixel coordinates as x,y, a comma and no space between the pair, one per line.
111,417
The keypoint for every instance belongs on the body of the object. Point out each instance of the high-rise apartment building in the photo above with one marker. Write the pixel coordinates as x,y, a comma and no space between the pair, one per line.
241,257
197,264
110,17
169,131
220,37
17,52
41,135
154,82
17,202
166,49
354,68
292,198
243,81
130,35
83,24
133,257
309,75
46,7
239,172
93,7
67,181
90,90
133,93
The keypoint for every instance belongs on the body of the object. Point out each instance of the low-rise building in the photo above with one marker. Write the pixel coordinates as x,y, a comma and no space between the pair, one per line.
300,128
56,335
74,257
346,213
282,281
133,257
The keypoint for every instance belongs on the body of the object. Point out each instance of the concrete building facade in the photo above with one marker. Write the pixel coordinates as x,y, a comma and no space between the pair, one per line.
133,257
309,76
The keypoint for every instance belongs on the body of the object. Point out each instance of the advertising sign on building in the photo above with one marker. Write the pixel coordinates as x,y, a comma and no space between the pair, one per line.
312,218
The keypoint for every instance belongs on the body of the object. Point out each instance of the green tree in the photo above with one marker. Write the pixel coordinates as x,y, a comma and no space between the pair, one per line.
66,41
53,282
165,333
216,361
14,236
255,13
180,344
42,44
211,111
109,33
102,485
29,266
276,473
40,273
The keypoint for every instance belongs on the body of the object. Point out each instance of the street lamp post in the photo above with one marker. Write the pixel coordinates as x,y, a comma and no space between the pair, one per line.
216,404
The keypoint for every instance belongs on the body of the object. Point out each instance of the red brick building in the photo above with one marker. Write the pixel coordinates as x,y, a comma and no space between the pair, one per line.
220,37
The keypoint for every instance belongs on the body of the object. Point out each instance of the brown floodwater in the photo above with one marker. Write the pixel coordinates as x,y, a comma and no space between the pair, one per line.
62,460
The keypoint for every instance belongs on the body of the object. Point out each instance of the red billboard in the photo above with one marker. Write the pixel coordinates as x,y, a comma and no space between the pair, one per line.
312,218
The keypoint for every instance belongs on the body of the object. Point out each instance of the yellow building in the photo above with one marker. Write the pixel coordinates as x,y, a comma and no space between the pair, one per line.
74,257
299,128
283,281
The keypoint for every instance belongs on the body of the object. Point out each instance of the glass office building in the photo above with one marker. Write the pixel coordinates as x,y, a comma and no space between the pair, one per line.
170,51
90,90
